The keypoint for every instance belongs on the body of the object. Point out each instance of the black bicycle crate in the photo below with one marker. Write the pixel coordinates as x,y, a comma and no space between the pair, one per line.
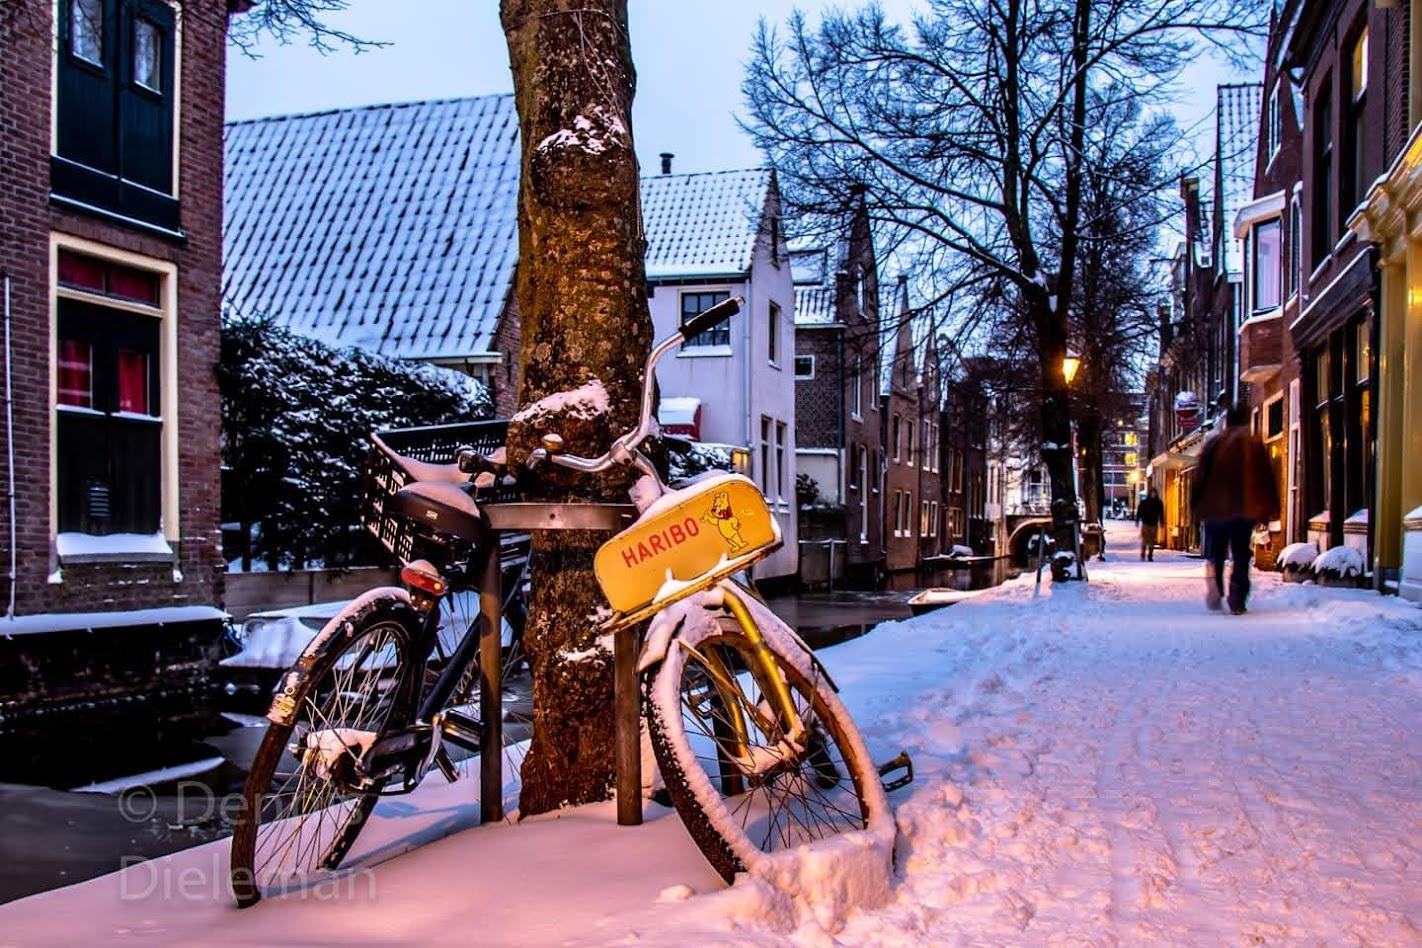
434,444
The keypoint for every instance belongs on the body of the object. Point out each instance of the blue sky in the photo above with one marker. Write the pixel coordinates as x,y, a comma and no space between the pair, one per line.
689,56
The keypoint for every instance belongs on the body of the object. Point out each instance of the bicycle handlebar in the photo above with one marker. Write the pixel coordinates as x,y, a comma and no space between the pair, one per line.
624,449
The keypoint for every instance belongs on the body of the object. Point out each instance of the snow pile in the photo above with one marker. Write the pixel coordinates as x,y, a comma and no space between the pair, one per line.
958,550
588,400
1298,554
1340,561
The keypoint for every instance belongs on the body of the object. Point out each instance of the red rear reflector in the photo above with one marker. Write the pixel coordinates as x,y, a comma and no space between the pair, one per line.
422,576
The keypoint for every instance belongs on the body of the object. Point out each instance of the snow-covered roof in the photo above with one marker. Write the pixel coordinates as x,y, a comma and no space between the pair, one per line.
703,224
1236,146
814,306
393,228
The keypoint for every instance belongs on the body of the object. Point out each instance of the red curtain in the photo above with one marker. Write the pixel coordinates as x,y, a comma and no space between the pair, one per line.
133,382
76,363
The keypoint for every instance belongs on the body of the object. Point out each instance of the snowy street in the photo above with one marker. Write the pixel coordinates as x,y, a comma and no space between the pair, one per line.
1104,763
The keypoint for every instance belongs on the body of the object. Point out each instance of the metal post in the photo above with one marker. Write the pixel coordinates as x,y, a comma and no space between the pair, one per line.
491,712
627,727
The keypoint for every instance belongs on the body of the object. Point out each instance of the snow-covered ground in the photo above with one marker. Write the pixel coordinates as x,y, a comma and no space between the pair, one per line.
1102,763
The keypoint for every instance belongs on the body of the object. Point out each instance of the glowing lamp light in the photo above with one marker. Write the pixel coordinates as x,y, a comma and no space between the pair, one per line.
1070,363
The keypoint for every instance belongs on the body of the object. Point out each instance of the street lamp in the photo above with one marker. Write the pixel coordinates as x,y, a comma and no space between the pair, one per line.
1070,363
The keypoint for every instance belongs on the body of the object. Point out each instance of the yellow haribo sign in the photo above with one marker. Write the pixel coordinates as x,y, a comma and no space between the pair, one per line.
713,529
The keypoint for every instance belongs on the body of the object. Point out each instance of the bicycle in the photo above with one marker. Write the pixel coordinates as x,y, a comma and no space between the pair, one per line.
756,750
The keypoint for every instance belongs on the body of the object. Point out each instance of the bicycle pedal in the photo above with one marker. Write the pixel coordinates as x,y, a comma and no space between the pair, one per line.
462,730
902,762
446,766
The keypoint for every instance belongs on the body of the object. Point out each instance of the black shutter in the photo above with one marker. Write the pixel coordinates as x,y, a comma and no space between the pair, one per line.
86,129
146,115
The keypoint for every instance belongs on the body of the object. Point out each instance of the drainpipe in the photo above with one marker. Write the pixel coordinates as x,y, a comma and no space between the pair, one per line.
10,451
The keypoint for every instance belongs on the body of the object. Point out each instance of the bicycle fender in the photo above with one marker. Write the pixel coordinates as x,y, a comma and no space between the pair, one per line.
666,625
334,634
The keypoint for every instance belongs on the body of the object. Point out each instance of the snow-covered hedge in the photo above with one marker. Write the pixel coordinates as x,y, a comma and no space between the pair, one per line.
1341,561
1298,554
295,418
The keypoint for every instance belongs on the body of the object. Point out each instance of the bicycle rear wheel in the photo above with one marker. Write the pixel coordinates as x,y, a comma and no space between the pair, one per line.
308,793
741,787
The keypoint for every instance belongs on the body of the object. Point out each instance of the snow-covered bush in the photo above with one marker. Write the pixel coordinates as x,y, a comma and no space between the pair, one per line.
959,551
1296,561
1339,564
295,418
686,459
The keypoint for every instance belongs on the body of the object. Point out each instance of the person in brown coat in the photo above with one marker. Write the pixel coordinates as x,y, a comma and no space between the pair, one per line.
1234,489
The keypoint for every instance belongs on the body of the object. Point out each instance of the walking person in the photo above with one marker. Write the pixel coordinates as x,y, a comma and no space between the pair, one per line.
1234,490
1150,514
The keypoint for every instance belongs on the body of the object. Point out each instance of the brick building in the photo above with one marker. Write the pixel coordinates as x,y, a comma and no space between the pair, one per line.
838,441
1348,58
913,420
110,247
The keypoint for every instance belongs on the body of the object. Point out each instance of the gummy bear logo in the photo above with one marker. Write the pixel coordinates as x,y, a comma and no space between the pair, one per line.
724,519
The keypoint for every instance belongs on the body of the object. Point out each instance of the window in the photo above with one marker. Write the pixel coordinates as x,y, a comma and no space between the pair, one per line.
765,479
864,501
1274,418
1131,439
109,424
772,341
1321,212
1362,350
933,520
86,30
923,520
804,367
1265,276
147,54
856,462
780,469
1352,183
855,385
1295,246
1274,126
114,109
912,446
878,474
895,434
694,303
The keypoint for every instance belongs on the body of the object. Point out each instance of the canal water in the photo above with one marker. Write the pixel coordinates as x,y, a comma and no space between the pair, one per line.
55,831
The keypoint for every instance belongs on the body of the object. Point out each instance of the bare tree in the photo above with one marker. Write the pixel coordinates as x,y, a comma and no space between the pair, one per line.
582,303
970,133
288,21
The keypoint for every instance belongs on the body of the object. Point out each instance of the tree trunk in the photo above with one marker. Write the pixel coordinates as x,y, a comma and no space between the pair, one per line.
583,312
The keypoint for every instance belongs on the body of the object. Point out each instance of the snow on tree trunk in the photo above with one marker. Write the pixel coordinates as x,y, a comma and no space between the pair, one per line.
583,311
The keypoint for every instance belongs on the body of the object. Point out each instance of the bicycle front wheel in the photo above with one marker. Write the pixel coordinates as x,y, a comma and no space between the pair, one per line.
309,791
742,785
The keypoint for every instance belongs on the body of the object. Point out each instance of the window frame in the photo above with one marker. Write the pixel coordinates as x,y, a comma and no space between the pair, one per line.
170,414
806,376
698,345
1256,305
772,341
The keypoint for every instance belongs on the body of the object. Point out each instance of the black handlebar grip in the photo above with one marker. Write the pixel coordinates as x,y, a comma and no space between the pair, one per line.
707,318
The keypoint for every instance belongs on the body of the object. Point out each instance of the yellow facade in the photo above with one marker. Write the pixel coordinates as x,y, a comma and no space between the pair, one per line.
1392,219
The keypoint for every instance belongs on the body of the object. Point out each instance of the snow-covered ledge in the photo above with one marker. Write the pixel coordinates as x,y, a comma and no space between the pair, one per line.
73,548
1410,586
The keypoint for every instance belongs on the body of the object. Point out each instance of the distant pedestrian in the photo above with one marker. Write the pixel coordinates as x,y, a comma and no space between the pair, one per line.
1234,490
1150,514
